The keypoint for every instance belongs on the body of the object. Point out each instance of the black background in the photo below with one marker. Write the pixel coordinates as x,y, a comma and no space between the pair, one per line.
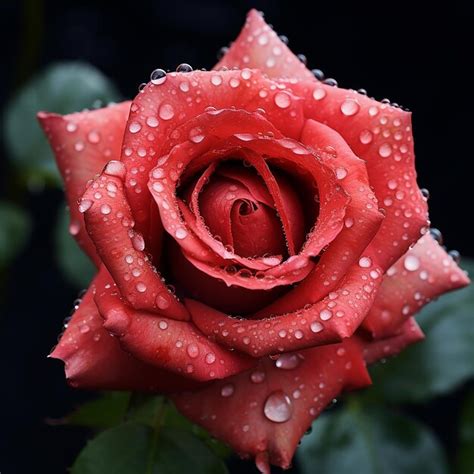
417,60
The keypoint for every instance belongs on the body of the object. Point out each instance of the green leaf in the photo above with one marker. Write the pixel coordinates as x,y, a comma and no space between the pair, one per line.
136,448
441,362
62,88
14,231
370,441
74,263
465,456
104,412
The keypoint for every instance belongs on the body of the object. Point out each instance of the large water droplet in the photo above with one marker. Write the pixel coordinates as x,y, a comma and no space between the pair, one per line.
227,390
162,301
350,107
166,111
366,137
411,263
365,262
192,350
319,93
180,233
278,407
316,326
184,67
282,100
134,127
385,150
287,361
158,76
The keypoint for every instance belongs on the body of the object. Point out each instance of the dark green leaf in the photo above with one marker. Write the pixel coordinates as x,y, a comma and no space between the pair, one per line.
442,361
62,88
466,437
14,231
370,441
74,263
104,412
136,448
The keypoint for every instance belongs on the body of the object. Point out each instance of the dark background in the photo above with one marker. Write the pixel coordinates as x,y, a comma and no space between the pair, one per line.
419,61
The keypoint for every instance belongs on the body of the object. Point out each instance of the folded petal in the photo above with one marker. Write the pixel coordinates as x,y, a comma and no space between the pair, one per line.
265,411
93,358
110,225
82,143
330,320
425,272
166,343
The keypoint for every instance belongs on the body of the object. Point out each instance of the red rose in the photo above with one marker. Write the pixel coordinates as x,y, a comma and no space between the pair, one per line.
250,221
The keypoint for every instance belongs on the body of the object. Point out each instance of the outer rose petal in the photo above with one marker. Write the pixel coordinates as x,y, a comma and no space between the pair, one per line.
166,343
409,333
159,109
425,272
258,46
110,225
94,359
82,143
239,410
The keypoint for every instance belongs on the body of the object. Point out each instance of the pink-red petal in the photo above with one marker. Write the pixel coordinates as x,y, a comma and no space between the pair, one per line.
425,272
82,143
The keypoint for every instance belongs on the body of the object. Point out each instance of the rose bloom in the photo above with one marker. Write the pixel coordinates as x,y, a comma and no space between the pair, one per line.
259,237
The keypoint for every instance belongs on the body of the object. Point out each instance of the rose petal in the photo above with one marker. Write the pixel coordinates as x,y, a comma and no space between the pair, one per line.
110,225
335,317
425,272
94,359
240,409
258,46
82,143
167,343
361,222
182,97
409,333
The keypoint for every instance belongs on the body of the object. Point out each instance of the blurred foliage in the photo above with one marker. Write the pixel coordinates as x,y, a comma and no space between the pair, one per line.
62,88
466,437
440,363
72,260
14,231
370,440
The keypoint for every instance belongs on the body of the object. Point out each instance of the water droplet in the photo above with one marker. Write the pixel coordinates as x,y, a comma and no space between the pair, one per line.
210,358
330,82
325,314
257,376
166,111
84,329
425,193
158,76
455,255
278,407
373,111
196,135
299,334
316,326
84,205
288,361
436,234
350,107
184,67
79,145
93,136
341,173
152,122
141,287
162,301
234,83
180,233
365,262
366,137
227,390
138,242
216,80
319,93
282,100
163,325
71,127
385,150
134,127
105,209
115,168
74,228
411,263
192,350
318,74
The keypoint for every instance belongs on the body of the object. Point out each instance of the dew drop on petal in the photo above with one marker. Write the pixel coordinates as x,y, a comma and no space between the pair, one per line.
287,361
152,122
278,407
350,107
216,80
227,390
411,263
166,111
210,358
134,127
385,150
282,100
105,209
180,233
163,325
341,173
325,314
192,350
316,326
257,376
85,205
158,76
162,301
319,93
365,262
365,137
141,287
